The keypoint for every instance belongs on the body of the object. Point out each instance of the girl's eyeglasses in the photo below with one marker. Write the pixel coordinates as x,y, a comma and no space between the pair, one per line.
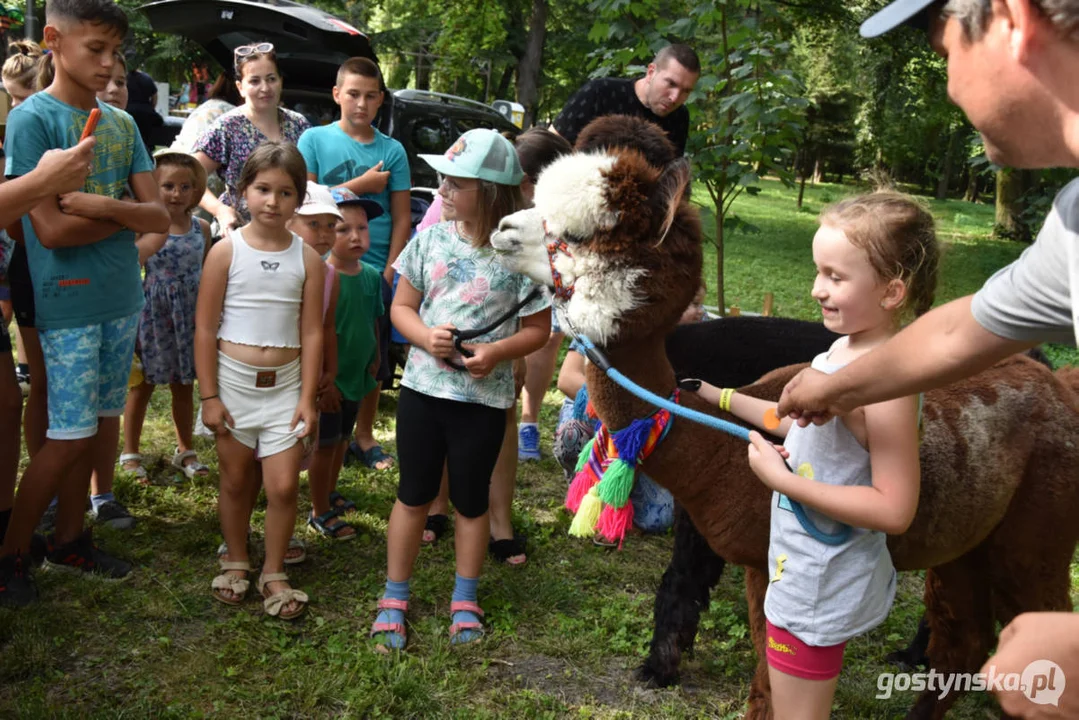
245,50
452,186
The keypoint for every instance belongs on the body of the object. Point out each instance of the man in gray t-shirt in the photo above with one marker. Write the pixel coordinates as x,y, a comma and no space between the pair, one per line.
1011,68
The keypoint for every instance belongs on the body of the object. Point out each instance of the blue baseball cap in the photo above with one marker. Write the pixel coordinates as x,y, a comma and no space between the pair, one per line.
481,154
346,198
892,16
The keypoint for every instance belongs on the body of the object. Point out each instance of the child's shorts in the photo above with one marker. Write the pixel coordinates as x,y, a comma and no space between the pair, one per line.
790,655
261,401
87,369
336,427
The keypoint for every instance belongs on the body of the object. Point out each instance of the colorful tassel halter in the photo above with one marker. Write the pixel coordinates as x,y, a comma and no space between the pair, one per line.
606,471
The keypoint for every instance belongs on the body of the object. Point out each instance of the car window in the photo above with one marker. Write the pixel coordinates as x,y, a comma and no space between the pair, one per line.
429,136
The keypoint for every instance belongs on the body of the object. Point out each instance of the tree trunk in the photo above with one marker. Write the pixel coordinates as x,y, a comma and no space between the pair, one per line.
423,70
945,180
719,257
973,186
818,172
801,190
504,83
531,63
1009,190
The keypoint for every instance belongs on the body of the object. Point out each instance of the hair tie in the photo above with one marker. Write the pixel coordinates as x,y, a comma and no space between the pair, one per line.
47,52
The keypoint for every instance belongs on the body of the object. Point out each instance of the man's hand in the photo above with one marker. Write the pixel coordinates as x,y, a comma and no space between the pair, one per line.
87,205
375,179
808,398
439,341
1040,636
65,171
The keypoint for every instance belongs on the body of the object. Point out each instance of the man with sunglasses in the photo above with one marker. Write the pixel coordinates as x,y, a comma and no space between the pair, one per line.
1011,68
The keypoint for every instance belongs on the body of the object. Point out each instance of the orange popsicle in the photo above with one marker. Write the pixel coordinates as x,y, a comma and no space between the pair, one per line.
91,124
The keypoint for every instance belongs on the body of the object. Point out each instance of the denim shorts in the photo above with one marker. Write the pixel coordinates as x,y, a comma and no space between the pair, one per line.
87,369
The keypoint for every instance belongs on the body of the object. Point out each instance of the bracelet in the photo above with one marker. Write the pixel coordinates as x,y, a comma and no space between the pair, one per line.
208,397
725,396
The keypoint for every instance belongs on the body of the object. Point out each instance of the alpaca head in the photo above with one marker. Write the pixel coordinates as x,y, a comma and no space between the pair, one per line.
613,235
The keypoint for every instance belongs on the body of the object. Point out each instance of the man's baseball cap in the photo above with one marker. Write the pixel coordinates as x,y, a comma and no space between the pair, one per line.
346,198
481,154
892,16
318,201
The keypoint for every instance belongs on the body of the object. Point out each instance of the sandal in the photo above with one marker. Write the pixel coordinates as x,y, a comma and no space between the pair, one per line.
191,469
504,550
320,524
436,525
390,629
138,471
298,551
372,456
235,584
466,625
274,605
340,503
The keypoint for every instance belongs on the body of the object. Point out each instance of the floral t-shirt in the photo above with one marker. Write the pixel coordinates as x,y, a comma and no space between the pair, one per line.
469,288
233,137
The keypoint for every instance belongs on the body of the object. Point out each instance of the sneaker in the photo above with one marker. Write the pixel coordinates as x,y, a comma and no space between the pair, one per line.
528,442
16,587
82,554
23,378
48,521
113,514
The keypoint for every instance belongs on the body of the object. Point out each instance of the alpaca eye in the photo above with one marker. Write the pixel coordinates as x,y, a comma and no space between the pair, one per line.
572,239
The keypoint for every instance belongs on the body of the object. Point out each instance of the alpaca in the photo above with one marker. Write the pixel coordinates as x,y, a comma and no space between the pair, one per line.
615,237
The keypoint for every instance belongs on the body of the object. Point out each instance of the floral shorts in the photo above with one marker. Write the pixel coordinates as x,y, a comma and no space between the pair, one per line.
87,369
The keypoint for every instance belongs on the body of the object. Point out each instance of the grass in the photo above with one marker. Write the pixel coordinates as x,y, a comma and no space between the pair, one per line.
565,631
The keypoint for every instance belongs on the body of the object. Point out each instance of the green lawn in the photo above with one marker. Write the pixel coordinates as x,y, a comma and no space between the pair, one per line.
565,631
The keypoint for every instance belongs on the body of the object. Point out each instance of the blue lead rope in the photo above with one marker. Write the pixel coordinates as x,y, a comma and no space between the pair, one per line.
596,357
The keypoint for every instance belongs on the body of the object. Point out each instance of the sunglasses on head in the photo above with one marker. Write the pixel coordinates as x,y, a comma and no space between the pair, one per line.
245,50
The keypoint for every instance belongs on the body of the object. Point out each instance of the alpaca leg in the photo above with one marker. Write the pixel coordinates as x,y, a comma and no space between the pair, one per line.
914,655
683,593
959,611
759,706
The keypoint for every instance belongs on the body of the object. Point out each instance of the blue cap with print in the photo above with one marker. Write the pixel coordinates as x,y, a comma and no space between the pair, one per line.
346,198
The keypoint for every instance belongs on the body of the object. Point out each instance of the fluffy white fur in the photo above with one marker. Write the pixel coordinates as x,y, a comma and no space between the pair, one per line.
570,195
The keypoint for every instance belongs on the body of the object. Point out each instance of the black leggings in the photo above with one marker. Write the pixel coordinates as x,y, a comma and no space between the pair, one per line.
465,436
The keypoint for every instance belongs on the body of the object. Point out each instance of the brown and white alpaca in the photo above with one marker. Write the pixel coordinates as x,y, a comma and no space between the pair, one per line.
995,524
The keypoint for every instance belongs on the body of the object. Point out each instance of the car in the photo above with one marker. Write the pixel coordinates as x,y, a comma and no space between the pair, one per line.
310,45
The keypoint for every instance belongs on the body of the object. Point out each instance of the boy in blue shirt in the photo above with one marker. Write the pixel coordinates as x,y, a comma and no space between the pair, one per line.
354,155
87,283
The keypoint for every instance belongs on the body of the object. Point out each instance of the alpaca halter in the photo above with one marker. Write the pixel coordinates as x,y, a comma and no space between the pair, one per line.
555,245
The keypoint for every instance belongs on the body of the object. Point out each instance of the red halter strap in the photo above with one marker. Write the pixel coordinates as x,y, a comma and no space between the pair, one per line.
557,245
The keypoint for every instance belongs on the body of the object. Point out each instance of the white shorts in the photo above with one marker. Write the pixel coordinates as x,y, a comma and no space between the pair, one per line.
261,402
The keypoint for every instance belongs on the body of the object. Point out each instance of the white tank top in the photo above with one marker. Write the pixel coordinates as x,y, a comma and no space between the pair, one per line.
263,295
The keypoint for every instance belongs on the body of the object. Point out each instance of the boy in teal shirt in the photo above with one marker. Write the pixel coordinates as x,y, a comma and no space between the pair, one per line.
86,277
352,154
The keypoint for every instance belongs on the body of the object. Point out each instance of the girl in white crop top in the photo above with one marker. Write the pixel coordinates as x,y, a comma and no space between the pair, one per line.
258,355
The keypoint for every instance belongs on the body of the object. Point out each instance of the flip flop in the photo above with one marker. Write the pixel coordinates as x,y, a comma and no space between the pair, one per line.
437,525
503,550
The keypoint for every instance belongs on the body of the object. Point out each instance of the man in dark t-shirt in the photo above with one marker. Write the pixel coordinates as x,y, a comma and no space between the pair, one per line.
659,96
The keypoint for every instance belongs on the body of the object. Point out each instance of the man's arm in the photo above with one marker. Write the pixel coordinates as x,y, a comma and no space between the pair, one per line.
944,345
401,216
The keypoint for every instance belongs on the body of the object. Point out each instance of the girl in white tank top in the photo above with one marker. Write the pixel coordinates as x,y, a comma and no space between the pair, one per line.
856,479
258,355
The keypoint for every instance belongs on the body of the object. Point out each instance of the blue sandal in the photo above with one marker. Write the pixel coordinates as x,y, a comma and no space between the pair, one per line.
320,524
340,503
372,456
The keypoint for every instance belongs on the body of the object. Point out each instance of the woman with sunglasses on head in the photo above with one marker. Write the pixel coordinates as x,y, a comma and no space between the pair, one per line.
224,147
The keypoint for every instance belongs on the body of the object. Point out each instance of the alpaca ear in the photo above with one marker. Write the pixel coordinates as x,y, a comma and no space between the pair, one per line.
672,187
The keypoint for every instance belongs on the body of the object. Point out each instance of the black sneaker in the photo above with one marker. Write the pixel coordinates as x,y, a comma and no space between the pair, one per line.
115,515
82,554
16,587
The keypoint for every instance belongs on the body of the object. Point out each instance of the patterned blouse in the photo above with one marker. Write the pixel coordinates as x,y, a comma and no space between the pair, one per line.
232,138
469,288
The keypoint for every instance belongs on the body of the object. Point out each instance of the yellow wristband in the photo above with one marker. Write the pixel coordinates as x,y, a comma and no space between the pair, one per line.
725,396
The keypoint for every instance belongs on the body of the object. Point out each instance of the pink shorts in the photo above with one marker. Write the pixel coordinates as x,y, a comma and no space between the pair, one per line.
790,655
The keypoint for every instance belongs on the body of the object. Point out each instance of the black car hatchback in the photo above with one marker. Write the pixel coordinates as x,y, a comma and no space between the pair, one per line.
310,45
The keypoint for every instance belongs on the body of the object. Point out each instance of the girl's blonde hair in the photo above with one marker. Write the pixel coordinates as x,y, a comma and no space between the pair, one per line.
496,202
21,63
898,235
192,165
